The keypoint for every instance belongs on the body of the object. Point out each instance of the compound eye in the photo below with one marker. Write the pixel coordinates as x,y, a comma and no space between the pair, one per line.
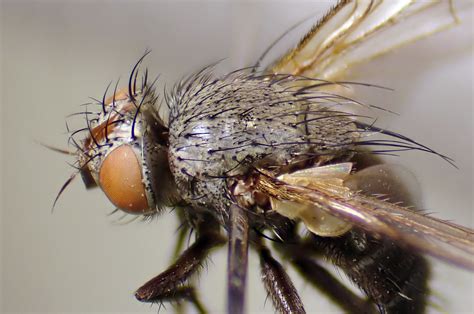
120,178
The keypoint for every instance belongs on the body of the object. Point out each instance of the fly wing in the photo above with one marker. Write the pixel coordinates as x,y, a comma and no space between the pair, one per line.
356,31
423,233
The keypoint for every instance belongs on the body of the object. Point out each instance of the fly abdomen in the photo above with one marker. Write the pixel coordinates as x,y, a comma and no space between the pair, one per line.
393,277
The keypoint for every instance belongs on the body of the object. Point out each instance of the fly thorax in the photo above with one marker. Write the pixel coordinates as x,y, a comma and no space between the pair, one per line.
221,128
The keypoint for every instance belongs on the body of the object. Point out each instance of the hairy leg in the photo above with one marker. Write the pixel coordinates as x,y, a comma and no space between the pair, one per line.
278,284
302,256
325,282
169,285
237,259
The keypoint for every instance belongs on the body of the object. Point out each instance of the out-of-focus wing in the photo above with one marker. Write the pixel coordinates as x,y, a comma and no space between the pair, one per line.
356,31
423,233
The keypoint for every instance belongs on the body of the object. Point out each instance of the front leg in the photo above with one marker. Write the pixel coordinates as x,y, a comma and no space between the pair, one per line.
182,293
237,259
169,285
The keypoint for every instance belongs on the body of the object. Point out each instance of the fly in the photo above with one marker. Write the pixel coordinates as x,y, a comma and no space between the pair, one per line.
250,158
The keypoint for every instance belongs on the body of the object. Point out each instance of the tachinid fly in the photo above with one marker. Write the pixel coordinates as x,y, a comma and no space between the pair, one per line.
279,159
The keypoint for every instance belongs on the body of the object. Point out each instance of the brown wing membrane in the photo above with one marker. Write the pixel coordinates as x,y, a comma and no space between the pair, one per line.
435,237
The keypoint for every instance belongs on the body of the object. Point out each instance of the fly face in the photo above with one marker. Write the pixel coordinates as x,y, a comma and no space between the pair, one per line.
130,151
112,154
125,151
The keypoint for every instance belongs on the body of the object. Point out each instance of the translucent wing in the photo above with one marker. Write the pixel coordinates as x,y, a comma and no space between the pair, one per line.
356,31
435,237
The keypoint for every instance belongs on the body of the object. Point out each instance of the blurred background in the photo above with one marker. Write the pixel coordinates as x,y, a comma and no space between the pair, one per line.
55,54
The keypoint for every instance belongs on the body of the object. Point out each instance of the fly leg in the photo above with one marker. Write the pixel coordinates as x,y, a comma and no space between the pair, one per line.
237,259
393,277
278,284
182,293
302,256
324,281
190,295
169,285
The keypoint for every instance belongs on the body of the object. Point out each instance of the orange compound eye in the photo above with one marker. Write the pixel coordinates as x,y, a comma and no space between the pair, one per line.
120,178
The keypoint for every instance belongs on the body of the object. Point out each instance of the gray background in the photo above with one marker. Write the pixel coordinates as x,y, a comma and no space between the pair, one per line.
56,54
